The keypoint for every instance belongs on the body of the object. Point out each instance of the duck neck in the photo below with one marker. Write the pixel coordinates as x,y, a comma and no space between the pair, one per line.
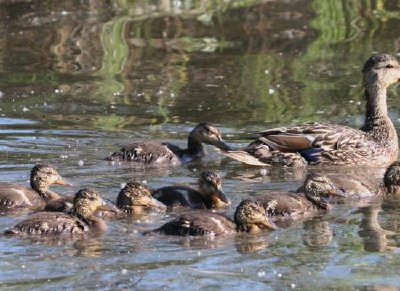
376,108
45,193
195,148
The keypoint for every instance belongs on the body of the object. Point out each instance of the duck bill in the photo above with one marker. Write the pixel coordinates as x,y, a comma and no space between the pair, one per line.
268,224
336,193
222,145
157,205
221,196
62,181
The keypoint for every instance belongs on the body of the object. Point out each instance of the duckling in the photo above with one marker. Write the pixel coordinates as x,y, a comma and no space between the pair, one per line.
249,217
135,198
86,202
291,206
16,196
156,153
375,144
209,195
354,187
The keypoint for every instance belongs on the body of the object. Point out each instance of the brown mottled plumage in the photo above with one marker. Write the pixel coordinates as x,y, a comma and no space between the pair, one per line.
249,217
209,195
136,198
292,206
152,152
376,143
86,202
16,196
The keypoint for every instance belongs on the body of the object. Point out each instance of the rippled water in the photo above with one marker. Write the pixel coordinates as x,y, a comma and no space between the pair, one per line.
77,81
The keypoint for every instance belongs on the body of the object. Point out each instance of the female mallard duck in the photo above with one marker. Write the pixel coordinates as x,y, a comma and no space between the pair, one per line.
42,177
152,152
292,206
327,144
136,198
86,202
209,195
249,217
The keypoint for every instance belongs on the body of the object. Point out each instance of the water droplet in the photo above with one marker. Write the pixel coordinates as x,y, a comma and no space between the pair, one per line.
81,163
261,274
263,172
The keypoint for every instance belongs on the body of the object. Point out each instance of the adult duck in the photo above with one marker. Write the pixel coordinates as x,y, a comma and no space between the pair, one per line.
292,206
209,195
329,144
249,217
82,219
162,153
42,177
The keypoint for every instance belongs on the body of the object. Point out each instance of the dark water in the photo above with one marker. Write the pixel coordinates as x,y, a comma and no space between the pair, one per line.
78,79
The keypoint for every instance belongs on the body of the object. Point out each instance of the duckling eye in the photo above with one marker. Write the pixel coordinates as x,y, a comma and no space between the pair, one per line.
389,66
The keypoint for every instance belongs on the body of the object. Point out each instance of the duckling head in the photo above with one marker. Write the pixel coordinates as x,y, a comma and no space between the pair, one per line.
391,178
382,69
86,202
318,187
43,176
252,217
210,186
208,134
136,198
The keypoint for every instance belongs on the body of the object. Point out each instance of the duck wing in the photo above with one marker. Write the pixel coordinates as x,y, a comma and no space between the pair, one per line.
48,223
179,196
146,152
315,141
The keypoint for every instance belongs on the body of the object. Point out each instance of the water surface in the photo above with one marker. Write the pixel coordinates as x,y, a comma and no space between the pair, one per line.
77,81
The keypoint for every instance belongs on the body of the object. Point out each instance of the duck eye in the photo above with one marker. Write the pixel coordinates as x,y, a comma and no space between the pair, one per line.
389,66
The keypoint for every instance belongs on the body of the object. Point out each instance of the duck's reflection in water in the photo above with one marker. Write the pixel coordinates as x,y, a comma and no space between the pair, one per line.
317,233
375,238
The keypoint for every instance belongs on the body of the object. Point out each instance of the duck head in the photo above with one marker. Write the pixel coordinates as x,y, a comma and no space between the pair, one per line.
318,187
136,198
208,134
43,176
391,179
252,217
86,202
210,186
382,69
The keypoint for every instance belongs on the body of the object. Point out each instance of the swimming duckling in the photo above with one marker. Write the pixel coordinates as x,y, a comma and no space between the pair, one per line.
358,188
249,217
152,152
16,196
209,195
136,198
86,202
292,206
375,144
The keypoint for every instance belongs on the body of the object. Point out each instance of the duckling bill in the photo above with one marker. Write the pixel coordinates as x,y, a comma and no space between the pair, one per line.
156,153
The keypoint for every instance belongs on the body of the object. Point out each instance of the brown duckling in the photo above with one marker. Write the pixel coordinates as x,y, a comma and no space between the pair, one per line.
86,202
249,217
209,195
292,206
135,198
374,144
16,196
152,152
354,187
